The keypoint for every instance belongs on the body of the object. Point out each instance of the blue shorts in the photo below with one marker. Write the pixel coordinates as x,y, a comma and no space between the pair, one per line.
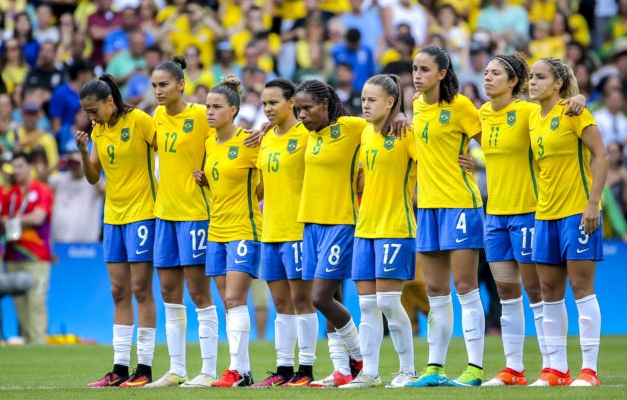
509,237
281,260
383,259
327,251
180,243
449,229
559,240
238,255
132,242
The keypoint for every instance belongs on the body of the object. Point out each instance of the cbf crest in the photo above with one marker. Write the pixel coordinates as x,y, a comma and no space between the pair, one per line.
125,134
511,118
335,131
188,125
445,116
292,145
555,123
233,151
388,143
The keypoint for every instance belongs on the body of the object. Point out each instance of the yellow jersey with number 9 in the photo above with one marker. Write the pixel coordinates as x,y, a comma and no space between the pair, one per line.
128,160
181,149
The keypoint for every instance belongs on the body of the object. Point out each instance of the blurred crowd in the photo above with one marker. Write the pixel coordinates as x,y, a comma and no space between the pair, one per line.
49,49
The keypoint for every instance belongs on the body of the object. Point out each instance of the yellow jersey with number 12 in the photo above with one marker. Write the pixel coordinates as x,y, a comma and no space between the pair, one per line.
181,146
128,161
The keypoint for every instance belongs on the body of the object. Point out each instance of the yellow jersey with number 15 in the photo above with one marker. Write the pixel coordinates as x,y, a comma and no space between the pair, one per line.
128,160
181,146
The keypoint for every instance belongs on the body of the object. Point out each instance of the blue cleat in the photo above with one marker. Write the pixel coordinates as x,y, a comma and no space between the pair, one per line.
431,376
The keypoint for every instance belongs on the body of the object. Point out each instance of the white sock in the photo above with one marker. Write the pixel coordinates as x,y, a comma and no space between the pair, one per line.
175,329
400,328
439,328
370,334
538,317
307,329
555,326
473,325
513,332
589,330
285,339
122,344
208,339
338,353
350,337
145,345
239,336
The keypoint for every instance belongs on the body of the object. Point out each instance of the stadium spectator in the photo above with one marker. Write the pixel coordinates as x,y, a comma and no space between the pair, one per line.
119,40
313,60
410,13
610,118
455,32
8,128
129,62
23,32
65,102
14,66
473,73
368,22
99,24
225,61
343,79
46,30
353,52
617,175
26,212
138,88
31,136
505,22
46,75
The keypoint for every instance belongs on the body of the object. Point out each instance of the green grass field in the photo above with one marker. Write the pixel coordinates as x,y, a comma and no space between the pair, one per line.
61,372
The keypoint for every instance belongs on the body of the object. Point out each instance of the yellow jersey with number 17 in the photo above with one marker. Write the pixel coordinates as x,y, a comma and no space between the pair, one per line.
233,177
181,146
389,164
282,165
331,165
128,160
565,178
443,132
510,168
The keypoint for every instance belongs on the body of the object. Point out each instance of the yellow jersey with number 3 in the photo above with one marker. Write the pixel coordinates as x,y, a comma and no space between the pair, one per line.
181,148
565,178
128,161
389,165
511,170
233,177
331,165
443,132
282,165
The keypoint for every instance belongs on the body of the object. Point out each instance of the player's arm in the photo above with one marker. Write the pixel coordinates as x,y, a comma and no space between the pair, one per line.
91,162
259,189
591,138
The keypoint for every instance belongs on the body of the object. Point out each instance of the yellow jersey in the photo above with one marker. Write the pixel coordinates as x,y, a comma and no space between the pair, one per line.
282,165
443,132
181,146
233,177
565,178
331,164
510,168
128,160
389,164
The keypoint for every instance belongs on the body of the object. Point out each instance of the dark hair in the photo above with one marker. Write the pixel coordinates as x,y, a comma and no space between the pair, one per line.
287,88
231,88
320,91
449,86
564,72
516,67
29,34
174,67
391,84
79,66
22,154
104,87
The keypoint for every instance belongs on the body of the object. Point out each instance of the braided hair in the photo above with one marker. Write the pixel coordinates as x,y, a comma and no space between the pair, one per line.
321,91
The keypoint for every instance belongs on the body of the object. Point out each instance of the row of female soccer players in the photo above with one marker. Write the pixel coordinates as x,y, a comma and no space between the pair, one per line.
540,226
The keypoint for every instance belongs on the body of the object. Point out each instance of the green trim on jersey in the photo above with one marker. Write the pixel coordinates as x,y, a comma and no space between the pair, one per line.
251,212
408,206
352,178
581,168
532,172
461,151
151,175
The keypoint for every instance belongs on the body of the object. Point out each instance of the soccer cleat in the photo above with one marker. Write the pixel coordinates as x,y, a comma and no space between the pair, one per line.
167,380
110,380
401,379
299,380
507,377
232,378
137,379
336,379
431,376
362,381
587,377
356,366
274,379
472,376
201,380
553,377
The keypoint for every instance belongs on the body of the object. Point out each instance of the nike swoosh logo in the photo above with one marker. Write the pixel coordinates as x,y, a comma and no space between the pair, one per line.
330,270
140,252
385,269
531,129
239,261
525,253
159,123
299,269
484,118
198,255
579,251
100,135
461,240
469,330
